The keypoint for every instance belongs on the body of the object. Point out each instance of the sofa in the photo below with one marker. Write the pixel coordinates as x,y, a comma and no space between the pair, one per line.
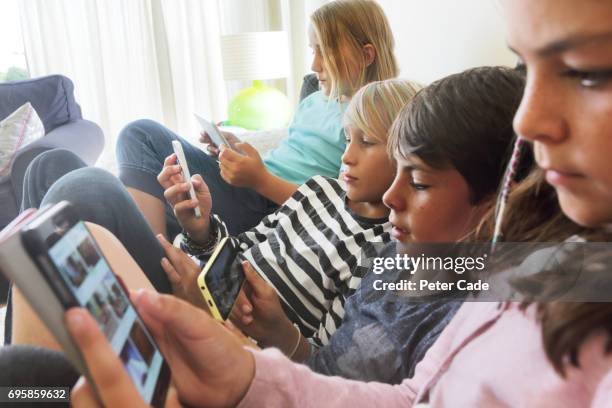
53,99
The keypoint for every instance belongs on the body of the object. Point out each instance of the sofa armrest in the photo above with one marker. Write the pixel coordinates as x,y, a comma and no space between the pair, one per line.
82,137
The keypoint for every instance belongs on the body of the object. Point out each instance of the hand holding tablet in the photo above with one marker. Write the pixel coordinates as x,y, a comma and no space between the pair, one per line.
213,132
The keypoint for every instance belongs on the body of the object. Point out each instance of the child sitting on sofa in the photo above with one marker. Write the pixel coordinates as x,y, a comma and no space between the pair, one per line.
312,242
452,163
309,248
352,46
501,90
554,353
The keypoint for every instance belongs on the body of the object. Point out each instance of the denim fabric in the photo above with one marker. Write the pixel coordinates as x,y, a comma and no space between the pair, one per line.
141,149
98,197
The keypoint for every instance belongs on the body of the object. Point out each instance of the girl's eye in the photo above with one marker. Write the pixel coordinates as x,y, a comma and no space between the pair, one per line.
589,79
419,186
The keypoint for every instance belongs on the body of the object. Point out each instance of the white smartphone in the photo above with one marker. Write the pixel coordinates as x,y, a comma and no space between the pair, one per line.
180,154
213,132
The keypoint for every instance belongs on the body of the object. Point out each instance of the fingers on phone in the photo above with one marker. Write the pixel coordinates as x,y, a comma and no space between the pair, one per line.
170,160
204,138
177,196
242,310
198,182
253,277
107,372
213,150
170,173
244,304
186,205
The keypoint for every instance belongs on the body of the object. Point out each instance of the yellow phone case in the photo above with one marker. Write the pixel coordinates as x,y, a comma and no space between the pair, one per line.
202,281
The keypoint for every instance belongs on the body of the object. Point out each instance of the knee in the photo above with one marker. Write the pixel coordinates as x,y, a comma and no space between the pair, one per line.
85,186
139,132
54,163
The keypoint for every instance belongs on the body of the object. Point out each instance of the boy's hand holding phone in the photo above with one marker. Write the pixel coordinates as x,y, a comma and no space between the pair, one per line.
242,170
176,191
259,314
210,367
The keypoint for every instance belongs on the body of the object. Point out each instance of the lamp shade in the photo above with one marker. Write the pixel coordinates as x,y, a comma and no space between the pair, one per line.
255,55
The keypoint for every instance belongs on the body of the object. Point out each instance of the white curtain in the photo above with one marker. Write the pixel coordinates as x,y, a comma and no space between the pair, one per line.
156,59
192,33
106,48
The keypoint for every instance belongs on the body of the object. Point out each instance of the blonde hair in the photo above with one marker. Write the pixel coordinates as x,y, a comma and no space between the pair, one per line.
375,106
347,26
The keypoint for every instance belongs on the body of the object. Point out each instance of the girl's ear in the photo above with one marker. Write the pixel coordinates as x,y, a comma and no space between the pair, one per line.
369,53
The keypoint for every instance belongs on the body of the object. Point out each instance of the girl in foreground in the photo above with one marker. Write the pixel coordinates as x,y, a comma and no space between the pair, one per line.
567,50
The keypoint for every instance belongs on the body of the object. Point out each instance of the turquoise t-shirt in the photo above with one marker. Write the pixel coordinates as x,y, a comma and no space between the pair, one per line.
314,144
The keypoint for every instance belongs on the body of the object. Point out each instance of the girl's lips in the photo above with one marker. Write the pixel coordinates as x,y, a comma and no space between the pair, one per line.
561,178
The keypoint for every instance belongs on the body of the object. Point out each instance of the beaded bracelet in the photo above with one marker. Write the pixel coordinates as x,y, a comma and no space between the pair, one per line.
196,249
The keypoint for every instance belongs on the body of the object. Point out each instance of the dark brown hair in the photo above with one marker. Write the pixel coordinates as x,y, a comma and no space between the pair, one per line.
463,121
533,214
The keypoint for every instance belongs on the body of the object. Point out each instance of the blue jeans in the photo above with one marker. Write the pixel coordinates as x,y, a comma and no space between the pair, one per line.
98,197
141,149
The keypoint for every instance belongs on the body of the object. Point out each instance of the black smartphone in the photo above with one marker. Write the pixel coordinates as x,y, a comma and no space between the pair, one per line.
222,278
79,275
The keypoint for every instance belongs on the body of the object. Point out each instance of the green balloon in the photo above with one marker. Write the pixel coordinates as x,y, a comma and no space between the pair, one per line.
259,107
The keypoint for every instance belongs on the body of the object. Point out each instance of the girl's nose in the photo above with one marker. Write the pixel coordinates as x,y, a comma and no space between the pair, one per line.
537,119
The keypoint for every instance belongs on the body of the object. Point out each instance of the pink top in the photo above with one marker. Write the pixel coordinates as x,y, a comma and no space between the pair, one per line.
489,355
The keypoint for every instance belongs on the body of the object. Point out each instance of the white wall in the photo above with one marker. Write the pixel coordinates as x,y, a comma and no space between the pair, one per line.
435,38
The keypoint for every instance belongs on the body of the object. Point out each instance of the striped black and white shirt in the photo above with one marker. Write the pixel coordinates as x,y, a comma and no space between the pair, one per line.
309,250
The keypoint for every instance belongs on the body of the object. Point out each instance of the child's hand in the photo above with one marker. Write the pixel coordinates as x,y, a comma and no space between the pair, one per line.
182,273
244,340
261,315
214,149
209,365
242,170
176,191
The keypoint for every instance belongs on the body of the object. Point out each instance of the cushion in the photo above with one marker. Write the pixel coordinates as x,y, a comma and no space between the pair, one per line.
52,96
19,129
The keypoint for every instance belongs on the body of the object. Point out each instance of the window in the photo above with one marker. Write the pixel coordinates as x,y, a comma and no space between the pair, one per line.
13,64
